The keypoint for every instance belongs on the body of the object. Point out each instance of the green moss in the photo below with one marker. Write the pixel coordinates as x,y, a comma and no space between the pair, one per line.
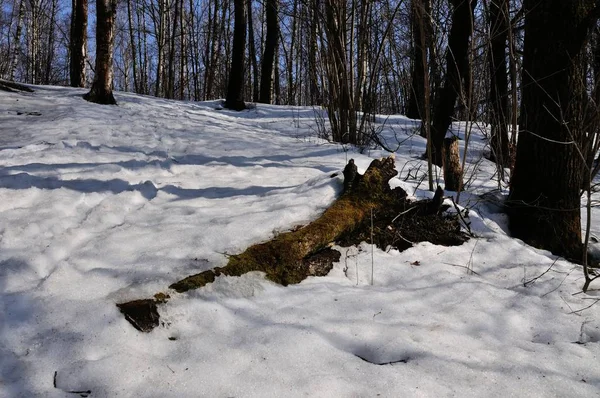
194,281
161,298
281,258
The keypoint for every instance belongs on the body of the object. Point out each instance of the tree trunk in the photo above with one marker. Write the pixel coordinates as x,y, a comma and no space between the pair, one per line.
170,92
212,49
434,65
16,48
266,80
282,257
132,43
183,57
416,100
144,86
499,26
252,50
277,80
456,69
545,188
50,45
452,170
596,67
367,210
101,92
235,86
160,43
315,92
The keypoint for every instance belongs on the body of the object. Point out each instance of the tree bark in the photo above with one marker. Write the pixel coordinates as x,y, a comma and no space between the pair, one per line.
367,210
596,67
452,169
315,92
16,47
170,91
266,79
132,43
456,70
78,42
417,94
160,25
235,86
499,25
252,53
545,191
101,92
282,257
50,44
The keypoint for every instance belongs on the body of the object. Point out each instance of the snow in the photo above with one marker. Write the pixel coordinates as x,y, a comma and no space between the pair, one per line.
103,204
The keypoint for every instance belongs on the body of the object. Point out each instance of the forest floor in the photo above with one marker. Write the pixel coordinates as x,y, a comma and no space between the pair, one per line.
104,204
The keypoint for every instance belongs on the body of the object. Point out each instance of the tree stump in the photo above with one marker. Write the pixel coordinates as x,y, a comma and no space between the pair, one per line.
451,163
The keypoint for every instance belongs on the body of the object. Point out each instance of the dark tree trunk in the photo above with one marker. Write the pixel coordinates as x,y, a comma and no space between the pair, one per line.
499,26
170,91
252,49
416,100
16,47
266,78
457,62
78,42
235,86
315,91
545,188
101,92
132,43
50,43
596,66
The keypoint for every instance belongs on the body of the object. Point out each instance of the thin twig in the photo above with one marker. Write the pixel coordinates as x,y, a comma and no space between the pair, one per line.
542,274
585,308
467,225
463,266
404,212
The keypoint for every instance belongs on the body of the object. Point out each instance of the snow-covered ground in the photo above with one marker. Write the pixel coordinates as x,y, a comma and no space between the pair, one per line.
103,204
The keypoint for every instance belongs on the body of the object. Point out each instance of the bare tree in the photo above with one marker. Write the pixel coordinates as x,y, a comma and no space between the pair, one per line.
456,71
235,87
78,47
17,40
545,196
101,91
499,27
271,9
415,109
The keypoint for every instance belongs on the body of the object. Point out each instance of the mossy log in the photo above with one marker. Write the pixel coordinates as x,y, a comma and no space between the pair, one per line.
283,259
292,256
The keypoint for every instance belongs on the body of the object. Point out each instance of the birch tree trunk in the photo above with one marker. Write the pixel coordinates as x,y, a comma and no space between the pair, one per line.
16,49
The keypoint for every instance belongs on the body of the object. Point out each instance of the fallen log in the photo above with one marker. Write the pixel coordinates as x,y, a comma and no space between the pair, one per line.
14,87
282,258
368,210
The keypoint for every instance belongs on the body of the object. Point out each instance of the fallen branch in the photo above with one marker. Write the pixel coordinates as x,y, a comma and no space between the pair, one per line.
366,211
14,87
282,258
